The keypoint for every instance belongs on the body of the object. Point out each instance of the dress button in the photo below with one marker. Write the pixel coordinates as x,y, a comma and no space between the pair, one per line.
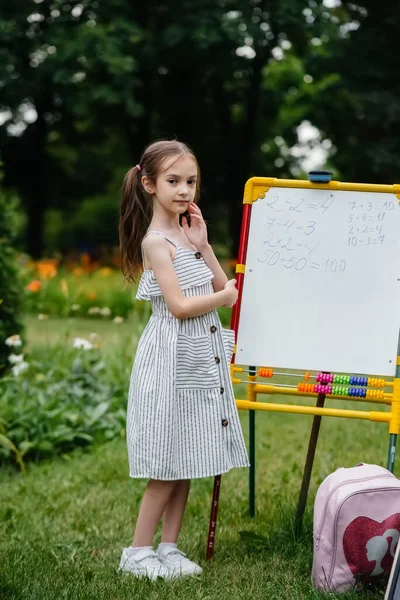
198,255
225,422
213,329
221,389
217,360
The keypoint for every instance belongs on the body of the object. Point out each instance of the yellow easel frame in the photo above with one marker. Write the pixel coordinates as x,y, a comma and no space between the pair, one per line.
256,188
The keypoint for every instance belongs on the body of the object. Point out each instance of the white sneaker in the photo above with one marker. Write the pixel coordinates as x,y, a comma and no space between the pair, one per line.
177,563
143,563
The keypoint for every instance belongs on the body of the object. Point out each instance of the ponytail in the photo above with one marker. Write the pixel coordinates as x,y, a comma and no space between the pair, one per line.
136,211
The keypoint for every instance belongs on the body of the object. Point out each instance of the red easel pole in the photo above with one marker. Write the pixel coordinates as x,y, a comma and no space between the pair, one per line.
244,236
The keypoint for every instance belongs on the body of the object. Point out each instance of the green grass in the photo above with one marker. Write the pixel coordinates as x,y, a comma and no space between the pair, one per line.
58,330
63,525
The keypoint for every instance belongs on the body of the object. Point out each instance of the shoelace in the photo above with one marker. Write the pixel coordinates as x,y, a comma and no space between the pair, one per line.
150,558
175,556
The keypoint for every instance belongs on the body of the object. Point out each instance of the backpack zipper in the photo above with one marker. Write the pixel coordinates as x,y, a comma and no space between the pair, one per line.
321,524
337,516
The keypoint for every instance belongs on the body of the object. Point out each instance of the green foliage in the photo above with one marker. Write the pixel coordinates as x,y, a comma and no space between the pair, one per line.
359,108
68,397
92,225
11,293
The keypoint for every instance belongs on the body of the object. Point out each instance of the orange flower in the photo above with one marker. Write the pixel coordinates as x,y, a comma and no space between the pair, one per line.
34,286
92,295
78,271
47,269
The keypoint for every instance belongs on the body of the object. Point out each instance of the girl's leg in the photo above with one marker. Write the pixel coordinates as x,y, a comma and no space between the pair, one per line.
174,510
154,501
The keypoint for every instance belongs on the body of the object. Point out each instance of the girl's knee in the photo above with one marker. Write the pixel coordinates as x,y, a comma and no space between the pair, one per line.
162,485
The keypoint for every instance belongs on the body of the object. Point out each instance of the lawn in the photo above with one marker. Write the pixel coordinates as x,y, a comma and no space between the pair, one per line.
63,525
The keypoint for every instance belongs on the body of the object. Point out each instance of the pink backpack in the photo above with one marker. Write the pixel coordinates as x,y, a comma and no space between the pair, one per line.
356,527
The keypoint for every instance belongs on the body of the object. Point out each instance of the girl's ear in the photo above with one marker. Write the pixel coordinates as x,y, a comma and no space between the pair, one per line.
147,185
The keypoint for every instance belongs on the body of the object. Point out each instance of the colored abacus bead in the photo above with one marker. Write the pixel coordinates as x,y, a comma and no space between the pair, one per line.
305,387
265,372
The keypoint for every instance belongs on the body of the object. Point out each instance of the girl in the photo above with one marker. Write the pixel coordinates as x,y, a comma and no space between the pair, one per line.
182,420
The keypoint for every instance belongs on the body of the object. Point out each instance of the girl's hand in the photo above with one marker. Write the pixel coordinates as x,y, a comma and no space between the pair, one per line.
197,232
232,293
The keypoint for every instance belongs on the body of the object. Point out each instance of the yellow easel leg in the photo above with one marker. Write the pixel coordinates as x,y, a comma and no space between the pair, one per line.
394,425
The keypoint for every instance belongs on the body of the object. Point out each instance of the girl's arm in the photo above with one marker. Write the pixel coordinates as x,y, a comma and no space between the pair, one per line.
197,235
158,252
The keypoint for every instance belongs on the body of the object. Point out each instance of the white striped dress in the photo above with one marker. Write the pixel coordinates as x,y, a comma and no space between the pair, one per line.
182,420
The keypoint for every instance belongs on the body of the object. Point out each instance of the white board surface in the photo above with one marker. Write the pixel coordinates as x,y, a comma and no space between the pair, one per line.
322,280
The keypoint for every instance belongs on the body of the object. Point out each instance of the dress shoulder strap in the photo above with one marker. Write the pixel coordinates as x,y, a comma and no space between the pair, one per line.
163,235
157,233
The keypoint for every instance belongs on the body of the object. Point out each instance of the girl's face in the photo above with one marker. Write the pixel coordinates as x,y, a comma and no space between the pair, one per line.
175,186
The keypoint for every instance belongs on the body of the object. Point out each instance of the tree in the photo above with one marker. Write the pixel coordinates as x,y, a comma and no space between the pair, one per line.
107,78
357,106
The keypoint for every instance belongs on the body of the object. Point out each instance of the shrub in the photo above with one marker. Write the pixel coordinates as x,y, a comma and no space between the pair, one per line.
11,292
65,398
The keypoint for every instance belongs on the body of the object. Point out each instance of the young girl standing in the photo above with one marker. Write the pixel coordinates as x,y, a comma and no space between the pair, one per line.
182,420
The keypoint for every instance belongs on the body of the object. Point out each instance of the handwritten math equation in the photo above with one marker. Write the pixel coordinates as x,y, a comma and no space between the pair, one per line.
293,231
366,223
292,235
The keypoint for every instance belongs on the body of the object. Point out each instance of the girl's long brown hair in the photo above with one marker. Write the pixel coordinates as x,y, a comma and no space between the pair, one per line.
136,208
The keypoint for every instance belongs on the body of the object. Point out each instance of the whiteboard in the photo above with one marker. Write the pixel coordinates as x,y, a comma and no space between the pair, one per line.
321,284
